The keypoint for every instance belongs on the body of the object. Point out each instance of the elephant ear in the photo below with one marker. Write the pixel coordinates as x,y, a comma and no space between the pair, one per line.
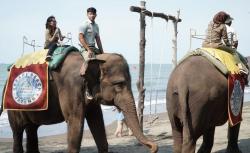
93,70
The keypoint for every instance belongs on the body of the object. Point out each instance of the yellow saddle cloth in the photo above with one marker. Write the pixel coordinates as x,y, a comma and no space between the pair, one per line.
37,57
228,59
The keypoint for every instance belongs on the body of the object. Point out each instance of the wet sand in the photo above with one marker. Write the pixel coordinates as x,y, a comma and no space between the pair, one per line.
159,131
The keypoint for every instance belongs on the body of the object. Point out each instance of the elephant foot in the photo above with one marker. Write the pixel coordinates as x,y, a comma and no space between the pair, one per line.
204,150
233,149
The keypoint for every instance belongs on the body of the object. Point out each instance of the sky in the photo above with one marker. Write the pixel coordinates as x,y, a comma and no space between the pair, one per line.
119,27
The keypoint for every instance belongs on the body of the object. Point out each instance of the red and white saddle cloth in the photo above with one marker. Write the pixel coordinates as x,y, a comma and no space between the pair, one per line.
27,85
236,85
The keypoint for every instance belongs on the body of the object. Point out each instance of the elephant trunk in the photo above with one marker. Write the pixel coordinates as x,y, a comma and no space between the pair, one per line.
129,110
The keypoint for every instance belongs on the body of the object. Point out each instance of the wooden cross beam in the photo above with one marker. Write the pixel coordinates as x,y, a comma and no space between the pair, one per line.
154,14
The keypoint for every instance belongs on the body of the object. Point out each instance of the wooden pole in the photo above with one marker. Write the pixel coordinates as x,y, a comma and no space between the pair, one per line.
175,22
140,83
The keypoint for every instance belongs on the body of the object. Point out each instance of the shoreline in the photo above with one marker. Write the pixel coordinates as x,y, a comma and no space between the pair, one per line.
108,115
159,131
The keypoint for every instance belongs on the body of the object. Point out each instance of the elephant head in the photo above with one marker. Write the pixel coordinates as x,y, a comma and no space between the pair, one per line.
109,79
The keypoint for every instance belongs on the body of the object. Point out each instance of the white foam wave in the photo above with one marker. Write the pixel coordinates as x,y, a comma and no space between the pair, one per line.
154,102
4,120
247,90
146,103
104,107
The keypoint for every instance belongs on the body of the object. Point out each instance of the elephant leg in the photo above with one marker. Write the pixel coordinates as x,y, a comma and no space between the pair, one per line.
95,121
18,140
188,145
233,133
177,137
17,129
208,141
32,139
75,131
189,142
73,110
177,132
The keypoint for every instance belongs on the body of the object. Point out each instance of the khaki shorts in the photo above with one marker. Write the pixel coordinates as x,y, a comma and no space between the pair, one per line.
85,53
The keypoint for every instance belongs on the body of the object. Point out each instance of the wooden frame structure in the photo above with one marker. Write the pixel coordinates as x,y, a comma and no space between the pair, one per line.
140,83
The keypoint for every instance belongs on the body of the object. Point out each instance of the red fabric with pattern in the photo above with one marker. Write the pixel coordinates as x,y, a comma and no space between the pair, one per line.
236,85
27,88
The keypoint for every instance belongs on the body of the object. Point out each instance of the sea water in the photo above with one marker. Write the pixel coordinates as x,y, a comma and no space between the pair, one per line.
156,77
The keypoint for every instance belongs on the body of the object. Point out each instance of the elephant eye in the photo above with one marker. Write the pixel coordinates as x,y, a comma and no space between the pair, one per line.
118,85
120,82
118,88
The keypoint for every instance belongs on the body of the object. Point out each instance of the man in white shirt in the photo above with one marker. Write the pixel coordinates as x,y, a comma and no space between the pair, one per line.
89,34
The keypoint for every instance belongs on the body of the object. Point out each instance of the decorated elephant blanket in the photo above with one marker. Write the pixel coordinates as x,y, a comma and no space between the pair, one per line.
227,64
236,87
27,84
59,55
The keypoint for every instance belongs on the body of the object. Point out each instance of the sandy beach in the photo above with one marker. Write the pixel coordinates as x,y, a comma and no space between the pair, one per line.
159,131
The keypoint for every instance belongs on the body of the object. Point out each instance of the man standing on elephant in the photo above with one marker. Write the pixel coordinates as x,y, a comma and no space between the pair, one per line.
88,35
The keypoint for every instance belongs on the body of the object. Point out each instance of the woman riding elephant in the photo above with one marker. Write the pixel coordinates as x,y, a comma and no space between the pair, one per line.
52,36
217,37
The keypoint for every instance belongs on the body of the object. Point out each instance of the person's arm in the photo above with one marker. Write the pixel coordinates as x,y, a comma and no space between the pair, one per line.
235,39
99,43
84,42
235,44
61,37
51,39
85,45
224,36
98,40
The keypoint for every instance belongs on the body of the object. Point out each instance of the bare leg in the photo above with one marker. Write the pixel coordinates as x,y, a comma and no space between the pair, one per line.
32,139
208,141
233,133
119,128
95,121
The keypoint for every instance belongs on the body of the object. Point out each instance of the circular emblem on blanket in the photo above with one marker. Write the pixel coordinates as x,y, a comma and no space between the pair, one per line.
236,98
27,88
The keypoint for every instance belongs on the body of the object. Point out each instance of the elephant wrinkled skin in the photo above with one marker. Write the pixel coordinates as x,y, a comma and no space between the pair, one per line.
109,81
196,103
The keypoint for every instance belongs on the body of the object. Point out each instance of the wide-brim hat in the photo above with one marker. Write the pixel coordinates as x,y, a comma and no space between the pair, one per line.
229,19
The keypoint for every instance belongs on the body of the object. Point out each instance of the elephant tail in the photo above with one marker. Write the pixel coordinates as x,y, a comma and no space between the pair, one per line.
186,113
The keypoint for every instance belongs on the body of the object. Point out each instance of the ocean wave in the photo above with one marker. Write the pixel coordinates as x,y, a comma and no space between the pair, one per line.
146,103
247,90
4,117
4,120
